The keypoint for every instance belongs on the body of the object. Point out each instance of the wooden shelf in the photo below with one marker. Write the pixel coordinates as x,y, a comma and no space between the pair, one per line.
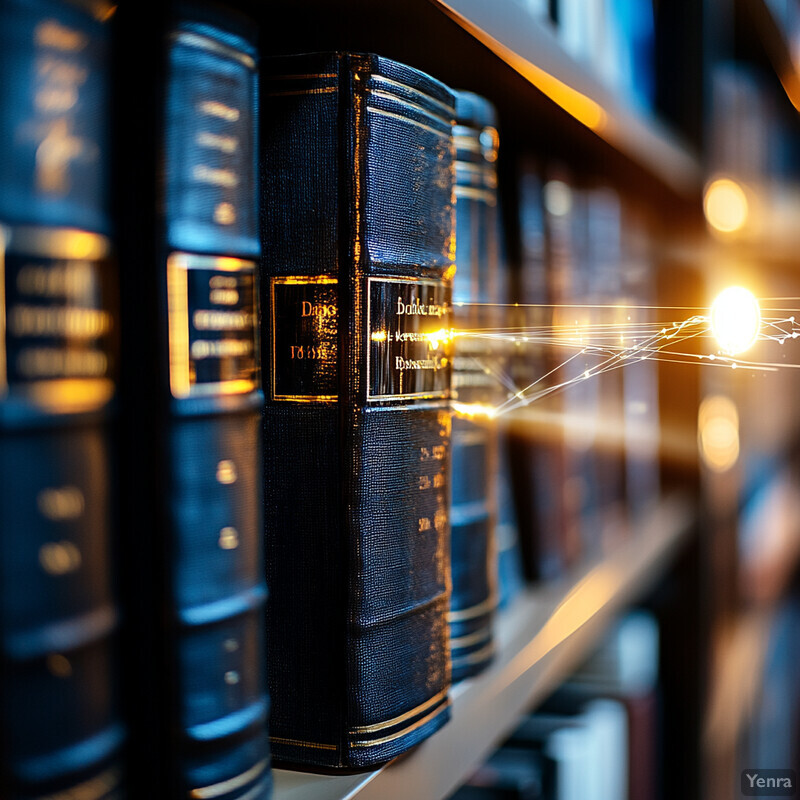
540,639
534,51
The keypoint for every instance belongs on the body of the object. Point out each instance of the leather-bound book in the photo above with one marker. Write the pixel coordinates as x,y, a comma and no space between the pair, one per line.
185,136
476,389
60,724
357,226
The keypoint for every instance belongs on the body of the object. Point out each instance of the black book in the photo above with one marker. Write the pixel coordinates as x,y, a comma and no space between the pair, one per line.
185,138
476,389
60,729
358,252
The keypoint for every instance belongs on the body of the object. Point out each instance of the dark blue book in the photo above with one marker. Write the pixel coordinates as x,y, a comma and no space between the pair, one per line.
358,255
476,389
537,449
192,486
60,722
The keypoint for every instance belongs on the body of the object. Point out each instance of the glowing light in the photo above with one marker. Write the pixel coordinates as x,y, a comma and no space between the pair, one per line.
473,410
378,336
438,338
718,433
725,205
735,319
558,200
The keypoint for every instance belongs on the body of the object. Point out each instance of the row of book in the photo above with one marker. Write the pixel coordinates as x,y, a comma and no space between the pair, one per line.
168,231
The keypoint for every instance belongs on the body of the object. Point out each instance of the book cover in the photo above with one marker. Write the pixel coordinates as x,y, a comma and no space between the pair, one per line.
60,723
357,225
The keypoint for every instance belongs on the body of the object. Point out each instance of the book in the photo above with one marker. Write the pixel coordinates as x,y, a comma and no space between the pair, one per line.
536,450
358,249
60,722
476,388
191,470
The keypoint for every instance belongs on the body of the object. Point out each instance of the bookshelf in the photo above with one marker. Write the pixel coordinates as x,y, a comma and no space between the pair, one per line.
532,49
540,639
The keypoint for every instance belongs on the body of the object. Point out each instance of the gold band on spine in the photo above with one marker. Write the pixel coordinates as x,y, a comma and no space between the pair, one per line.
473,611
300,743
223,787
484,634
93,789
390,82
389,723
178,313
412,105
381,112
213,46
471,658
399,734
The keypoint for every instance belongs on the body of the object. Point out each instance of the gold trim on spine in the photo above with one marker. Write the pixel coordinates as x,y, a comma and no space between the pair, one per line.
308,76
284,280
473,611
93,789
379,726
481,635
399,734
178,312
299,743
212,46
412,105
318,90
471,658
383,79
223,787
65,243
443,134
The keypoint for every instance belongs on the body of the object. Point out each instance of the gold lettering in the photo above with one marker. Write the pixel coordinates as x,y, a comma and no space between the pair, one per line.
54,99
75,280
59,558
226,471
222,282
214,108
424,525
224,297
231,645
221,348
228,538
227,144
51,33
53,157
440,520
424,483
215,176
59,71
51,362
60,504
439,452
225,214
222,320
438,480
80,323
232,677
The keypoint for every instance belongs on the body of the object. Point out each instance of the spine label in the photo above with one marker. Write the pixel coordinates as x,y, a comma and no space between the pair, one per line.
409,339
305,321
55,323
212,325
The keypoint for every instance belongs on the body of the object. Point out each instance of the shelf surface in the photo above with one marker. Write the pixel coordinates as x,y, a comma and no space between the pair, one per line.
540,638
533,49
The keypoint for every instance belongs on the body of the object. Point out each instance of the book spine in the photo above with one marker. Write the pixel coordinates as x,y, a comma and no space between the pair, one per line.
60,723
536,452
207,563
475,384
358,168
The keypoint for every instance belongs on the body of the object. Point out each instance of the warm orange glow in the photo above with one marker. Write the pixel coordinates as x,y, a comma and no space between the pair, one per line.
725,205
439,337
718,433
474,410
735,319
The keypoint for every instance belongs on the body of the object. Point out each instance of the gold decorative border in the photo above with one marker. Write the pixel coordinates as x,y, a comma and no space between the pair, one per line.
473,611
390,723
283,280
201,42
399,734
442,395
301,743
178,266
482,635
392,115
229,785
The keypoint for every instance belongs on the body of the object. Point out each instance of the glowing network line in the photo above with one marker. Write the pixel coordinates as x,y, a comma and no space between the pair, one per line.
733,323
